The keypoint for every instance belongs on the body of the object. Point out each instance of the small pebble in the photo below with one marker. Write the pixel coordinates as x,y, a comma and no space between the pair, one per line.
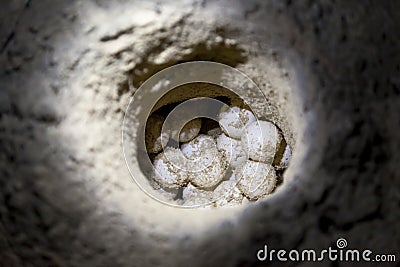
255,179
234,120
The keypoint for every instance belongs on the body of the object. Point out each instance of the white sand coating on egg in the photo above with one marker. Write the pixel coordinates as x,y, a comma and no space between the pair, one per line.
261,140
255,179
193,196
167,168
232,149
188,132
226,193
211,175
234,120
206,165
198,147
155,141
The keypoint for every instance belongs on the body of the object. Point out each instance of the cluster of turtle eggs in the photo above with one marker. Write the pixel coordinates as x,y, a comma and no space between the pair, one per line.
227,165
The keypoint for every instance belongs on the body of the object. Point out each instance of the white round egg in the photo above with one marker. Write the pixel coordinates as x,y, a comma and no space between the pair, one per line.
155,141
168,169
226,193
202,149
188,132
261,140
255,179
211,175
206,165
193,196
232,149
234,120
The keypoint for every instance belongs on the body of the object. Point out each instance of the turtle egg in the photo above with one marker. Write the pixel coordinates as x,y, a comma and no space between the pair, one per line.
167,168
261,140
155,141
189,131
234,120
226,193
202,145
255,179
206,165
211,175
232,149
194,196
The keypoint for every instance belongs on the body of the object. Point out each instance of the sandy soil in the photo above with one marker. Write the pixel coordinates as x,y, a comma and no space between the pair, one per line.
66,196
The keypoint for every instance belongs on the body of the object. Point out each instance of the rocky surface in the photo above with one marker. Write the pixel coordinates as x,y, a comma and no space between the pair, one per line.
66,196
